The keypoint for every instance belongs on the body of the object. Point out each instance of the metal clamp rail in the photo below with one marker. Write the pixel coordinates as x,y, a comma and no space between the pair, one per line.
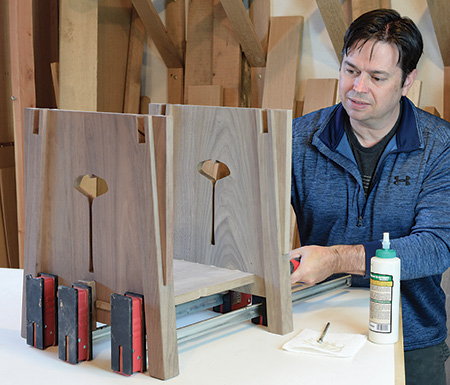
309,292
210,325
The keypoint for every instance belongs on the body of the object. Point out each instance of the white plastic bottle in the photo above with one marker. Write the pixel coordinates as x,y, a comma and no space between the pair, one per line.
384,295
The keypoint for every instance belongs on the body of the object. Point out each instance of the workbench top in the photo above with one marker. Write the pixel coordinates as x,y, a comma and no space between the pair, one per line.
241,354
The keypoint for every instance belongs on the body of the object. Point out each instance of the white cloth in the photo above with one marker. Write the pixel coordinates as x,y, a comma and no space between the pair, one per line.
342,345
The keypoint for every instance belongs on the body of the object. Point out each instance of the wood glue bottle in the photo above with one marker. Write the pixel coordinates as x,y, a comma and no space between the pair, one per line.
384,295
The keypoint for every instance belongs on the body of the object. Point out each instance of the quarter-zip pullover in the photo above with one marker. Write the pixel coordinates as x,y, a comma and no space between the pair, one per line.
409,198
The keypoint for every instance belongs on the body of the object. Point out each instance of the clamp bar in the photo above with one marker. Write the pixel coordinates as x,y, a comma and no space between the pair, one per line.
199,304
212,324
321,288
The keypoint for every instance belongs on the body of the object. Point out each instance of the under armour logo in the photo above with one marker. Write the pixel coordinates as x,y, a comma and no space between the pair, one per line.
405,180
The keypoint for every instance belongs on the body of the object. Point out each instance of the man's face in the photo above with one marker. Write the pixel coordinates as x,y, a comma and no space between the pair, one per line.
370,85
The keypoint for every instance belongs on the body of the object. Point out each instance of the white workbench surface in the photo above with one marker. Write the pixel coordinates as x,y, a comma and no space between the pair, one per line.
242,354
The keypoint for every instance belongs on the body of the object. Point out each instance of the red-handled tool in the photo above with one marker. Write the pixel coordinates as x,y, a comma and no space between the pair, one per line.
294,263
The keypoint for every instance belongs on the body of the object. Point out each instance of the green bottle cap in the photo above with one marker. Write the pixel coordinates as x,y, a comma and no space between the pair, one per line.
385,253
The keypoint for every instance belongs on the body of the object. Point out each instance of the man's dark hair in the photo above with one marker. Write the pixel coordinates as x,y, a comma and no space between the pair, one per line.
386,25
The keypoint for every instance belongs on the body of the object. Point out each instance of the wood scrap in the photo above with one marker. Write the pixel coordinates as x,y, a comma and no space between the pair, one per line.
226,57
199,45
245,32
211,95
133,79
157,31
77,71
280,84
334,19
24,95
319,93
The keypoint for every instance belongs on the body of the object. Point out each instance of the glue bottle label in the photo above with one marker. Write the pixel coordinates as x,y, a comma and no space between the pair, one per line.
381,290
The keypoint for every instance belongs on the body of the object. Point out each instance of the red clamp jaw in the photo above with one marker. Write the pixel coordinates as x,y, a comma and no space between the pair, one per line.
294,263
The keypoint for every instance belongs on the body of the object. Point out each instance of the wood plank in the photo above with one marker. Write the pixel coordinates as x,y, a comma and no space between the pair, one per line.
163,143
157,31
199,44
7,155
176,28
78,71
446,100
281,124
399,353
114,20
299,108
245,32
294,236
260,16
257,86
145,101
414,92
226,60
362,6
175,85
23,91
54,68
277,286
334,19
319,93
205,95
432,110
347,8
195,280
259,13
9,210
280,84
6,104
133,79
159,295
175,18
4,262
440,15
46,41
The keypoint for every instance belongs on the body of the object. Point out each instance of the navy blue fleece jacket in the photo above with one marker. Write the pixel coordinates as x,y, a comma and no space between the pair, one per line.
410,199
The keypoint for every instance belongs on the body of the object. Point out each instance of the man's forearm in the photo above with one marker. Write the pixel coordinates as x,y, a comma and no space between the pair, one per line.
319,262
350,259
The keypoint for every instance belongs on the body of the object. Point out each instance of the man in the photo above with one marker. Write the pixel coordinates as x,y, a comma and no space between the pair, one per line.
375,163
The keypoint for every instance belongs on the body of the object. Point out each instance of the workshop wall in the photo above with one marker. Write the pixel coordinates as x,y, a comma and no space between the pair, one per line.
318,58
